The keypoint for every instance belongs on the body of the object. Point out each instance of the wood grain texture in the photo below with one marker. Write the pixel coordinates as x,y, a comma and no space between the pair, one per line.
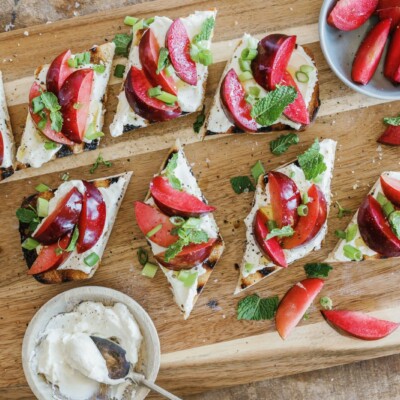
343,117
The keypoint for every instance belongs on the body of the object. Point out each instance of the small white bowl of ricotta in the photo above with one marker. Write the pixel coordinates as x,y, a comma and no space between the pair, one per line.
60,359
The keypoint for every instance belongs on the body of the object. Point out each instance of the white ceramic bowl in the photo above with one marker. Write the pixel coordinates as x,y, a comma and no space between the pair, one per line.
65,302
339,49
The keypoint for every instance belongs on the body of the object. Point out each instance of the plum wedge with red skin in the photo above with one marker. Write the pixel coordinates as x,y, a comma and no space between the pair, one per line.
392,61
274,52
136,91
92,218
295,303
391,136
191,255
348,15
175,202
370,52
271,247
1,148
149,51
235,106
391,189
58,72
285,198
296,111
49,258
51,134
178,45
308,226
77,89
359,324
387,4
392,13
375,229
62,220
148,217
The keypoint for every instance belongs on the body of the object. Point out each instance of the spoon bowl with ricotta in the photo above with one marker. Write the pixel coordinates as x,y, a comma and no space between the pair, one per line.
61,360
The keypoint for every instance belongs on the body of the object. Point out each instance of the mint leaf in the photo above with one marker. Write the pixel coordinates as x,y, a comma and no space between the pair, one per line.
50,101
312,161
317,270
255,308
342,211
169,172
197,236
270,107
395,121
56,121
206,30
199,120
285,231
241,184
174,249
280,145
99,161
122,42
25,216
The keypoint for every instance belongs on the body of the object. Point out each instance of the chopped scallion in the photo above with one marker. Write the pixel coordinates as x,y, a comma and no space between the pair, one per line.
352,253
254,91
50,145
302,76
245,76
306,68
205,57
42,207
244,65
248,267
148,22
351,232
388,208
91,259
154,91
150,270
143,257
249,54
74,239
72,62
154,231
30,244
302,210
42,188
130,20
167,98
187,277
381,199
137,26
99,68
177,221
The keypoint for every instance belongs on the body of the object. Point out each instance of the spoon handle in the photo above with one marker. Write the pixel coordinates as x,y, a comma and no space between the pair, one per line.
158,389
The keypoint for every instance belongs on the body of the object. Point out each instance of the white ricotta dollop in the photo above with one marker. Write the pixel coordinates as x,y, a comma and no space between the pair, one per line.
68,358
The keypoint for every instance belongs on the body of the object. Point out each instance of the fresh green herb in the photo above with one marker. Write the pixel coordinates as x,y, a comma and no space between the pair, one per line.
170,174
154,91
154,231
394,221
306,315
254,91
77,106
119,70
201,117
245,76
91,260
248,54
187,277
244,65
42,188
74,239
59,251
257,170
326,302
381,199
130,20
30,244
394,121
91,133
388,208
312,161
149,270
122,42
28,216
165,97
163,60
306,68
176,220
42,207
148,22
138,25
270,107
142,256
205,57
248,267
351,232
340,234
42,123
99,161
342,211
255,308
174,249
49,101
305,199
206,30
282,143
285,231
99,68
302,210
242,184
317,270
352,253
271,225
250,99
65,176
302,76
37,104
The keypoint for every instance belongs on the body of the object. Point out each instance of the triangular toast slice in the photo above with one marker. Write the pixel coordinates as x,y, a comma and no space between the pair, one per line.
256,265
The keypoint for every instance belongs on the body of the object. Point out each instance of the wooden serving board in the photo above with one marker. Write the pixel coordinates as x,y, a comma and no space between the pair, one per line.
211,349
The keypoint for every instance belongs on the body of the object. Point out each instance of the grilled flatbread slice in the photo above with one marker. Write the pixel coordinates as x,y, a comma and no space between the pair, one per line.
74,268
33,150
218,122
255,265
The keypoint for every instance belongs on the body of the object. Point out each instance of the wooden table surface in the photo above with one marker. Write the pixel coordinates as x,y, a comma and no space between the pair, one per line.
372,379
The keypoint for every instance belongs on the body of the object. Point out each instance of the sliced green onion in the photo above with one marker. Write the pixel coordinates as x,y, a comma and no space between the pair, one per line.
169,70
137,26
74,239
306,68
130,20
91,132
30,244
244,65
388,208
351,232
245,76
167,98
142,256
187,277
302,77
340,234
50,145
77,106
72,62
119,70
42,207
91,259
65,176
271,225
154,91
37,104
326,302
148,22
254,91
352,252
58,251
257,170
205,57
194,52
177,221
248,267
249,54
154,230
250,99
150,270
381,199
99,68
305,198
42,188
302,210
42,123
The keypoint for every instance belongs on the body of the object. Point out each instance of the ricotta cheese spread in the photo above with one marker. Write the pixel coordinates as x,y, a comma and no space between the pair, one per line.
5,129
69,360
253,259
32,151
218,122
190,98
